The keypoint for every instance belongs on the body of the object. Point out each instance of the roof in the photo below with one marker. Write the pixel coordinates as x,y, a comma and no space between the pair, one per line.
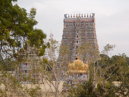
78,67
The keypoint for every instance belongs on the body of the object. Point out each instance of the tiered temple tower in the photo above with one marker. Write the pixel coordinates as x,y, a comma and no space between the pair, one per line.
29,67
79,31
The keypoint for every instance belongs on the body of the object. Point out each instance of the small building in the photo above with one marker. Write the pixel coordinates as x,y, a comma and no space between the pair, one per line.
77,72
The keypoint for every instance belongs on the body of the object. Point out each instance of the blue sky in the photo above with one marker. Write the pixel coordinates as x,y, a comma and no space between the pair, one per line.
112,19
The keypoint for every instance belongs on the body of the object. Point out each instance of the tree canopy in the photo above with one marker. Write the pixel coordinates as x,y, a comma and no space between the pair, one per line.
17,30
108,77
17,33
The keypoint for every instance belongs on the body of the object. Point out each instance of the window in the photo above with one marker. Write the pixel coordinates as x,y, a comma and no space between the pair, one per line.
77,36
74,24
84,76
80,74
77,41
25,71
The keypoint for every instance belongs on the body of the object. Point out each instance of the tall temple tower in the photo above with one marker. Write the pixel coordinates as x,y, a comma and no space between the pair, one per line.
79,35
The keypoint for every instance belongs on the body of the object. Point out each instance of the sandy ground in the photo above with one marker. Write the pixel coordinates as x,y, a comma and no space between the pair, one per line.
47,89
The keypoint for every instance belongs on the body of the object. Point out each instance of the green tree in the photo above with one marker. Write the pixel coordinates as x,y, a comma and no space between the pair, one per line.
17,33
17,30
89,89
9,66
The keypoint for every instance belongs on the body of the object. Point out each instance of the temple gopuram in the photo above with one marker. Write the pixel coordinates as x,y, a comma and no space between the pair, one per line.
79,36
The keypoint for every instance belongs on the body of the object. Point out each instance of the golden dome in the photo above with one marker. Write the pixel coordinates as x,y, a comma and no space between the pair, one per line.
78,66
78,62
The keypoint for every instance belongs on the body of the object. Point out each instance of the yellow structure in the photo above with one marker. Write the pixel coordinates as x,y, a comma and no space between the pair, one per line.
77,67
77,72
